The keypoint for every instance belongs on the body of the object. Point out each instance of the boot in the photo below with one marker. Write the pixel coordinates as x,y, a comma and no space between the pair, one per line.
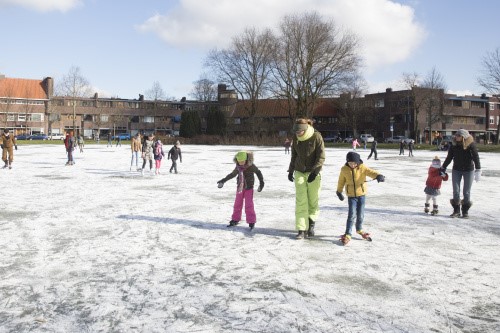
233,223
456,208
310,231
435,210
426,209
465,209
301,234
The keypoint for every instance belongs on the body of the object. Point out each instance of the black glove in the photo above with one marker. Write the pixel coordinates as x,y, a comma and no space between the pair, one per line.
442,171
341,196
220,183
261,186
312,177
290,176
15,146
380,178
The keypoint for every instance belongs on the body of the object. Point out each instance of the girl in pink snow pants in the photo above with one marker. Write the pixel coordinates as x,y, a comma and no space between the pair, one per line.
245,170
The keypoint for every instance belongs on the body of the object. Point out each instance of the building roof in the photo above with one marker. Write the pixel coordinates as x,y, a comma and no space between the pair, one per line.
277,108
22,88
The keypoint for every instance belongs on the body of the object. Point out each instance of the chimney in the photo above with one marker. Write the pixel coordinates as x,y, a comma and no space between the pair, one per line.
388,90
48,86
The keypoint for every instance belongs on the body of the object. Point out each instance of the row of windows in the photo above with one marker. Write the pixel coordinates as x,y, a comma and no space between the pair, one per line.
124,104
25,117
22,101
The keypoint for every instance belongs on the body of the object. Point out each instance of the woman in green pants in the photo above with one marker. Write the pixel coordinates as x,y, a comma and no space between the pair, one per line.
308,156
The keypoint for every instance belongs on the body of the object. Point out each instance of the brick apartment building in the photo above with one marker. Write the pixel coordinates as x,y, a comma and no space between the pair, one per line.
29,106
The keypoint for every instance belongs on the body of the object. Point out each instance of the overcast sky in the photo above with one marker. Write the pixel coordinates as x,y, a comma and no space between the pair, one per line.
123,47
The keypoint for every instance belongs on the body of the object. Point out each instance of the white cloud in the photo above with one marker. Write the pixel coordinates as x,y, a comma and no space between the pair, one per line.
388,31
43,5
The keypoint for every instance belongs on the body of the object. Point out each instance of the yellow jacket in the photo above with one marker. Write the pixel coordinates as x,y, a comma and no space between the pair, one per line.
354,179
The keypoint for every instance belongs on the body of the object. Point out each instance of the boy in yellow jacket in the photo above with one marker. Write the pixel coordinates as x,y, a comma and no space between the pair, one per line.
353,177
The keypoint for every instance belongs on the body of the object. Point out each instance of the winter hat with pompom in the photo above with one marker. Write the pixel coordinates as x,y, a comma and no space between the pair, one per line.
436,162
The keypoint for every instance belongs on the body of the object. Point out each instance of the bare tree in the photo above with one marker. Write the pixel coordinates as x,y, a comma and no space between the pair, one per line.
350,112
313,59
433,98
490,78
411,81
246,65
204,89
156,94
75,86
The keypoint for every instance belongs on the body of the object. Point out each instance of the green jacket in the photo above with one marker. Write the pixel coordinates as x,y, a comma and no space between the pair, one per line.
308,155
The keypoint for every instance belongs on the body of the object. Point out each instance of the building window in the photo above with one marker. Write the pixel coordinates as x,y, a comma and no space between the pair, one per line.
21,117
104,117
492,106
36,117
11,117
379,103
237,121
148,119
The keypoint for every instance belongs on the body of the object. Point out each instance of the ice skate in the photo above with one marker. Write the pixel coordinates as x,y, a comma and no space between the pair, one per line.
251,225
345,239
301,235
435,210
426,209
365,235
233,223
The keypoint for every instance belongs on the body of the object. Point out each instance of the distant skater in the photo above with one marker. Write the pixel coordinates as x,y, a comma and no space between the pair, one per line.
135,147
410,148
401,147
373,150
147,153
173,154
158,155
8,145
287,145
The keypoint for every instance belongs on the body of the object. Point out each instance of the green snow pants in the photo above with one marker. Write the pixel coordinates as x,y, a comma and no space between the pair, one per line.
306,199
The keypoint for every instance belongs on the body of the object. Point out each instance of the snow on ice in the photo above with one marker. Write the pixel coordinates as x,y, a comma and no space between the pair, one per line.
95,247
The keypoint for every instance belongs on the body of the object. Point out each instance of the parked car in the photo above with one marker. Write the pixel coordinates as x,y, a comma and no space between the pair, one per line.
38,137
23,137
395,139
366,138
122,136
442,140
348,139
334,138
56,136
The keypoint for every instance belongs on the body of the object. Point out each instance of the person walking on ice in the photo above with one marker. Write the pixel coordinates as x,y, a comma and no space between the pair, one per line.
135,147
433,184
147,153
466,166
8,145
308,156
245,170
353,178
175,153
355,144
158,155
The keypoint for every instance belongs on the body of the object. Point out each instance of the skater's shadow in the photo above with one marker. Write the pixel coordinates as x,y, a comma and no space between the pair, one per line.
242,228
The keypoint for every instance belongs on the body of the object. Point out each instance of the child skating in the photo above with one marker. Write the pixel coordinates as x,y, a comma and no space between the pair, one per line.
158,155
353,178
244,170
433,184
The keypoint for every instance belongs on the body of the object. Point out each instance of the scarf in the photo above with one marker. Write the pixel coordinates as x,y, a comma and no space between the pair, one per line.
307,134
241,178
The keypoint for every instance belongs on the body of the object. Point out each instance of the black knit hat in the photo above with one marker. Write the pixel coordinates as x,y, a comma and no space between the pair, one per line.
353,157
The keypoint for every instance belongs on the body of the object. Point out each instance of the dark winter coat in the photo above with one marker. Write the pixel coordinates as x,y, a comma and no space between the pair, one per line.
158,151
248,173
174,153
308,155
464,155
